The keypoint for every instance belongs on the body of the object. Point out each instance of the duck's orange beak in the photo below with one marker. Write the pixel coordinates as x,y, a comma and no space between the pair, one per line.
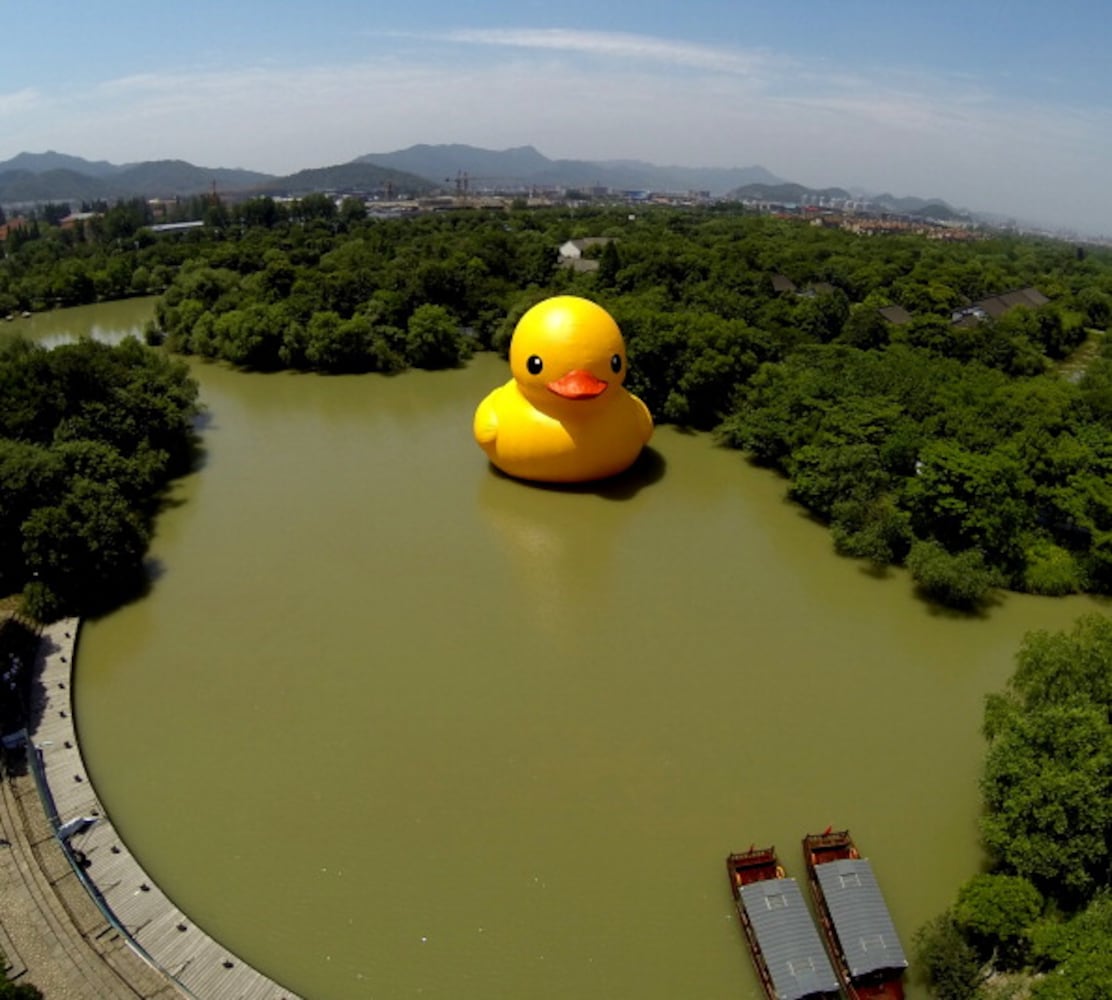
578,384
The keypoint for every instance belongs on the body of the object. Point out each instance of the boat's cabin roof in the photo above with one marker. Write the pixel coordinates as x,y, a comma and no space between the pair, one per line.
793,952
860,916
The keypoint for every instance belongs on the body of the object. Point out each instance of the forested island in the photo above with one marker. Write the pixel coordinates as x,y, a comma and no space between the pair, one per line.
972,444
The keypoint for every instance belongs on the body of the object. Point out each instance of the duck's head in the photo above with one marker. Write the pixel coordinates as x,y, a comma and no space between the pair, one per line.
567,349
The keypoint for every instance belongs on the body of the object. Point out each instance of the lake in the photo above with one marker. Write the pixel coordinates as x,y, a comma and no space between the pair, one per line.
392,724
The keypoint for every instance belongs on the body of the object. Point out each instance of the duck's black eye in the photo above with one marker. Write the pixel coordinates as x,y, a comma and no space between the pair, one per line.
534,364
616,363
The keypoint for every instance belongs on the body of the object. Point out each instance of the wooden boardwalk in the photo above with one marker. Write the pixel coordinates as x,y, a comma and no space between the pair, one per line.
198,965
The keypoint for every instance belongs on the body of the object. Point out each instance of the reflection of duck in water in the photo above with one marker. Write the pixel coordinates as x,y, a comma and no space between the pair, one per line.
561,549
564,416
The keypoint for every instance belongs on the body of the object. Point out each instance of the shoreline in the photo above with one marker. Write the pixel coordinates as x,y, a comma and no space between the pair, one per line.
74,834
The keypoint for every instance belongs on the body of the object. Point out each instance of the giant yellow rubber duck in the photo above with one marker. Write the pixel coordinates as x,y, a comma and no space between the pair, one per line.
564,416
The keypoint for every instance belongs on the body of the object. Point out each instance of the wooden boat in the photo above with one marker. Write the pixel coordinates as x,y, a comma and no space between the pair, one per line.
860,935
785,945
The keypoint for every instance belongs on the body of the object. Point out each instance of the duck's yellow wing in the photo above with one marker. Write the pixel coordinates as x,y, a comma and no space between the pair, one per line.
485,424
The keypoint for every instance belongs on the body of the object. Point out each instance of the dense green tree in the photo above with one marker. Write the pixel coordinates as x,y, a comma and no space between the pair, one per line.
875,529
948,962
312,207
263,211
88,547
609,264
92,435
1080,951
966,500
216,215
121,222
959,579
1096,307
865,327
997,912
30,476
338,345
1048,773
433,339
938,335
822,315
72,284
54,212
828,474
250,337
278,275
1050,569
33,402
136,474
1047,824
783,405
1095,386
352,211
1054,668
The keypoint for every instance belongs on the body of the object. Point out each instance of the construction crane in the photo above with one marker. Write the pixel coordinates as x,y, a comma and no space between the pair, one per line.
464,180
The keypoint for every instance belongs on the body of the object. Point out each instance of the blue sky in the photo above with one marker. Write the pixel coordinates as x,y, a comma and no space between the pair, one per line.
991,106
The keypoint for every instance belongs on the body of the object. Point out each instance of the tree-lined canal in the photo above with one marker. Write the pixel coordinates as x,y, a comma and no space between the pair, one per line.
390,724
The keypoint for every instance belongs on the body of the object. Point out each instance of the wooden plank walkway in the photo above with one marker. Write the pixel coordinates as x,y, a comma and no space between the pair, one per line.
68,948
153,925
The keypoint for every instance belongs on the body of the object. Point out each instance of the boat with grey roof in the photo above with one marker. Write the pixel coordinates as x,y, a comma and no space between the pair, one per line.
781,934
854,918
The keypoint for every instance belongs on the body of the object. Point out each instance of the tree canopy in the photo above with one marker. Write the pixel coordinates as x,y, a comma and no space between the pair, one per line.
1048,773
1044,912
89,436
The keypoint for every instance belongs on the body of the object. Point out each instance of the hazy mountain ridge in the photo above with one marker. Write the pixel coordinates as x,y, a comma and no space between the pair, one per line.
56,176
442,164
354,176
177,177
51,176
797,194
20,186
788,193
525,166
416,170
39,163
916,206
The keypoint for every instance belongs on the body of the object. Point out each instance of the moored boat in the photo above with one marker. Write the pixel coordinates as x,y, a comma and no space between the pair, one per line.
785,945
859,932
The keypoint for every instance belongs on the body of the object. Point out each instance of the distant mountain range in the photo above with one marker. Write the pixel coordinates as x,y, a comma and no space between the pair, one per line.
523,166
796,194
56,177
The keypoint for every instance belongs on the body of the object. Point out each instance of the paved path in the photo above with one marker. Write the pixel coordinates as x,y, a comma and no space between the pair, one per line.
53,935
109,933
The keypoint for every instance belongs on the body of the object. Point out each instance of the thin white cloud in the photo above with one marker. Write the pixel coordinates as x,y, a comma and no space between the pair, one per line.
618,45
19,101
